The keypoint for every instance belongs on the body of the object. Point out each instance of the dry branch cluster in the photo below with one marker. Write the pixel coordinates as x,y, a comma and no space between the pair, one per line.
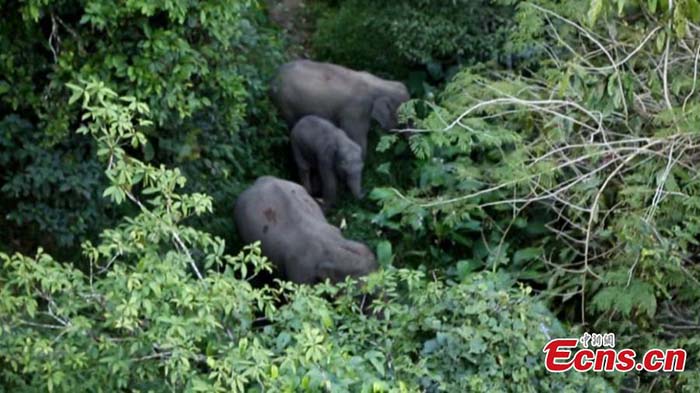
617,119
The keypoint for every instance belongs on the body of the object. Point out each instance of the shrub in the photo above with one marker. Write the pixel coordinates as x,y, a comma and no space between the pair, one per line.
396,37
579,178
202,68
162,307
47,190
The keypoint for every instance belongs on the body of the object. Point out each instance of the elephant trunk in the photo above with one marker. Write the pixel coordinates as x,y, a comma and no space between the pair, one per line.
355,185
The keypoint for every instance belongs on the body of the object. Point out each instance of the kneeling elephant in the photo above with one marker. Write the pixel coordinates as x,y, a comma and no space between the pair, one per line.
295,235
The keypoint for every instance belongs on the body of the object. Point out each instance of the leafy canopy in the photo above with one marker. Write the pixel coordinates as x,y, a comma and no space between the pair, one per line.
163,308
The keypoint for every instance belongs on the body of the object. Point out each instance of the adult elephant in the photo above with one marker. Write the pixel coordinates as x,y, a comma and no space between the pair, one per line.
295,235
348,98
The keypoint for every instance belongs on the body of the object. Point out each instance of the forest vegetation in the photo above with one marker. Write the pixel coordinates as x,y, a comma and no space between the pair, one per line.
549,185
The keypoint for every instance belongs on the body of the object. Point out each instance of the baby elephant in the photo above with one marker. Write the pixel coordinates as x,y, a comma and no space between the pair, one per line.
295,235
320,146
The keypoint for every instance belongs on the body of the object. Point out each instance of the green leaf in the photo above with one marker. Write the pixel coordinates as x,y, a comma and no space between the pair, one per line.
680,23
694,10
377,360
385,142
527,254
384,253
466,267
652,5
382,193
477,345
200,385
625,298
594,11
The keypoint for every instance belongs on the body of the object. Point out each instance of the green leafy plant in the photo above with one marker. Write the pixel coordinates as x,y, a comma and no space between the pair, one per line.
579,178
202,68
416,40
161,307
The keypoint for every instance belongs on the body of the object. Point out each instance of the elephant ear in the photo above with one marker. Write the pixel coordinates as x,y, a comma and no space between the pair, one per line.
383,113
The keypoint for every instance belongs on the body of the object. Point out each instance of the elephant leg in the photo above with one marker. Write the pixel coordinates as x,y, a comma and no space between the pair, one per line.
303,167
315,183
299,265
337,272
328,270
329,184
301,276
362,141
288,115
305,177
356,129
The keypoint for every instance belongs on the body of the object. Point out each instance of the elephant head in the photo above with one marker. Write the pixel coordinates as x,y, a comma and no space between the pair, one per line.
351,259
385,106
350,164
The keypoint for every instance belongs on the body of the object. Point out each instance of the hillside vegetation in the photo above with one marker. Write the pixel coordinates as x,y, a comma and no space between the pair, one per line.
548,186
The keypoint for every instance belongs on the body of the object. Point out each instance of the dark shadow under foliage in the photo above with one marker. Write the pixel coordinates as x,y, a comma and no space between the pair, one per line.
202,68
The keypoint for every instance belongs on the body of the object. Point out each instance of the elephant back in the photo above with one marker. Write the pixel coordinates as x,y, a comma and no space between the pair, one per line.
305,87
272,205
285,200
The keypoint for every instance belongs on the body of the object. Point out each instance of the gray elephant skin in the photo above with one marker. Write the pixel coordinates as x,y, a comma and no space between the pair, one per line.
295,235
319,147
350,99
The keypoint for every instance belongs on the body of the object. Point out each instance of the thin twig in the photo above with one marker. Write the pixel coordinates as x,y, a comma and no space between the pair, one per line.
695,78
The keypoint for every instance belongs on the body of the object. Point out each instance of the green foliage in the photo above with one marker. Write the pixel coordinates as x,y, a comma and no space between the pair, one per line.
47,190
580,177
202,68
577,176
162,307
393,37
150,325
178,56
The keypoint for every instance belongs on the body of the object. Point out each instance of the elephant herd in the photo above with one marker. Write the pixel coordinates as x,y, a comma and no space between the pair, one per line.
329,109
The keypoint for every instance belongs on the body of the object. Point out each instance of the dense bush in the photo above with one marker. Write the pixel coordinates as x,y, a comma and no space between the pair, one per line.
51,191
162,307
396,37
581,178
570,185
202,68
